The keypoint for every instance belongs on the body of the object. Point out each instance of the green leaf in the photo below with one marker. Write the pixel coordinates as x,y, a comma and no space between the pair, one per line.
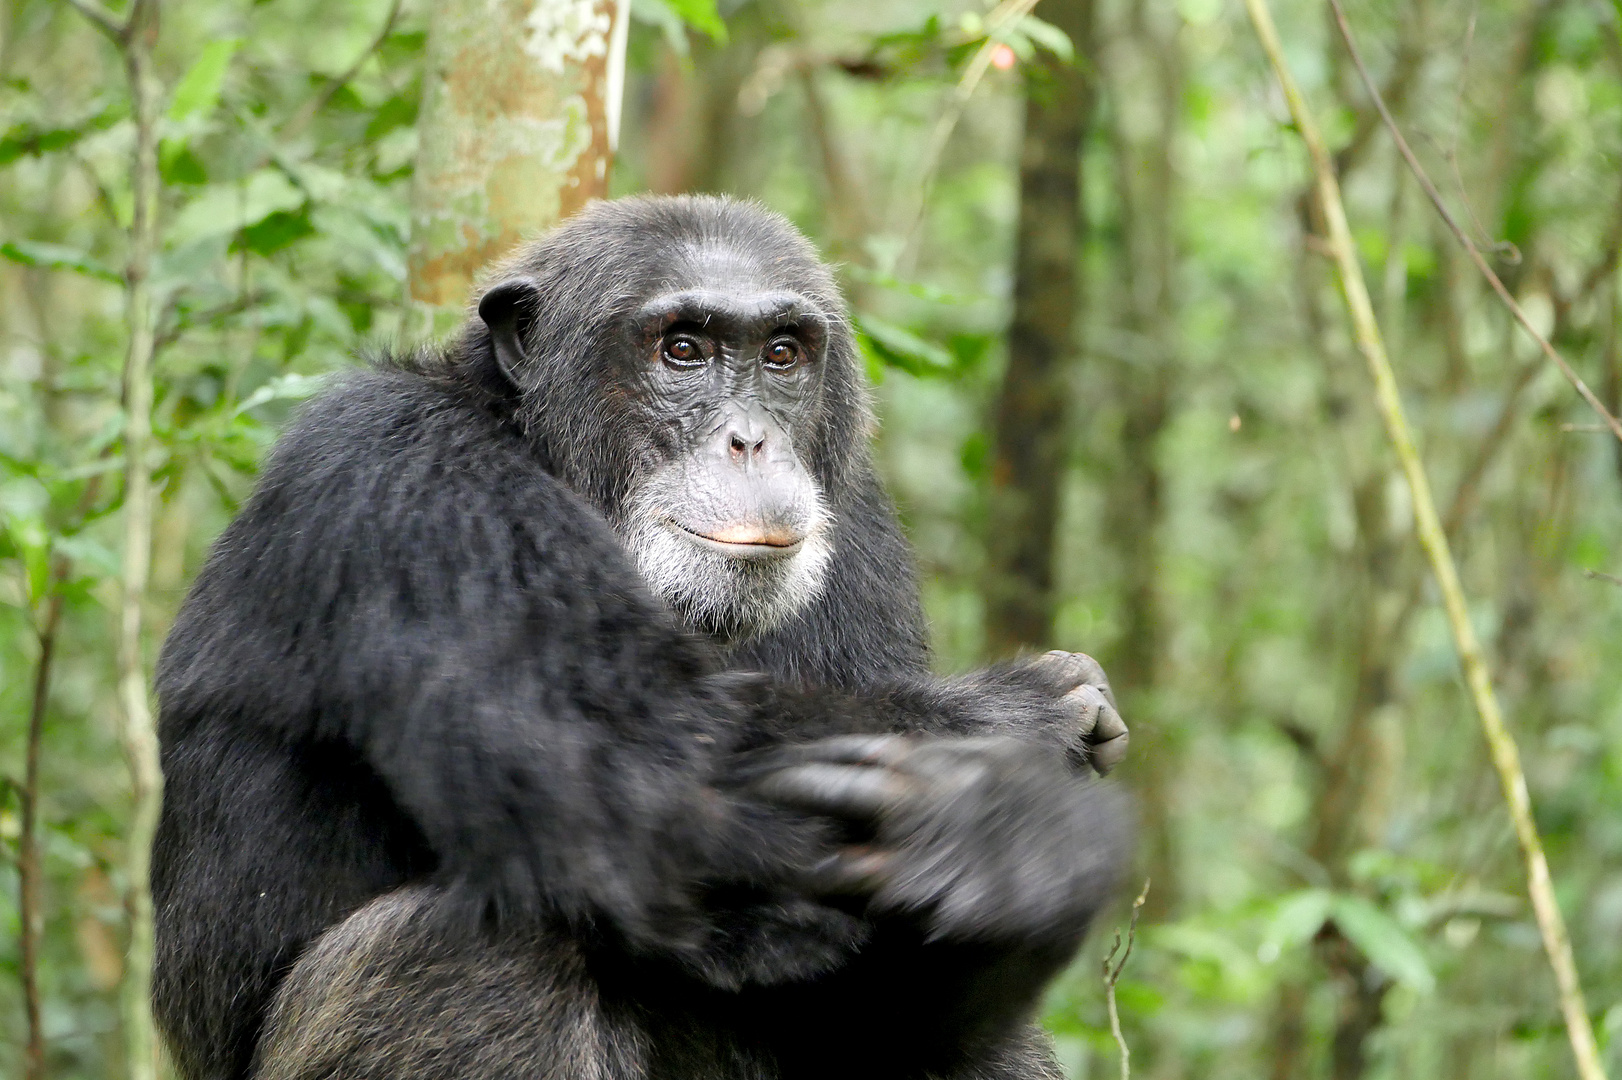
90,554
199,88
58,257
1298,916
395,112
22,140
658,14
900,347
1047,35
277,231
701,15
179,165
1385,943
281,388
225,208
969,349
23,502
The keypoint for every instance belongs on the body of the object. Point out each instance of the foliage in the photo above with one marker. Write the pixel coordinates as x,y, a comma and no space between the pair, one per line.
1323,828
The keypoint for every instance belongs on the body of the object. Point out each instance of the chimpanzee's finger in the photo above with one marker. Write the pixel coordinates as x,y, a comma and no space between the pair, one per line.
1109,753
858,792
844,750
1109,727
851,871
1071,670
1089,704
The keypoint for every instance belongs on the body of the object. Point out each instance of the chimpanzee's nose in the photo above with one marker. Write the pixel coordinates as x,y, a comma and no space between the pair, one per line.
745,446
748,431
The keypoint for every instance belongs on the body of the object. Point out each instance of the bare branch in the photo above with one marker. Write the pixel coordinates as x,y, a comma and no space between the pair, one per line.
182,325
30,872
1112,975
312,108
1600,575
1469,245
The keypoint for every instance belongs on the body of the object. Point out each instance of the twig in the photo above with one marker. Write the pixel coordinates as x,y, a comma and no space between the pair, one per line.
1004,14
312,108
29,871
1469,245
1112,975
30,875
1600,575
181,325
1505,755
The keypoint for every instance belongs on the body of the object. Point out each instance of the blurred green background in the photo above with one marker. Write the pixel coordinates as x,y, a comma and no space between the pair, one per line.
1336,888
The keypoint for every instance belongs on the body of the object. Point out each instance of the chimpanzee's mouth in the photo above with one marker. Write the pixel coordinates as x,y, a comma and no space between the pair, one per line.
744,541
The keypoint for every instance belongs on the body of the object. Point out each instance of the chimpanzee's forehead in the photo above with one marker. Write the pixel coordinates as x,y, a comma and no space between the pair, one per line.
716,264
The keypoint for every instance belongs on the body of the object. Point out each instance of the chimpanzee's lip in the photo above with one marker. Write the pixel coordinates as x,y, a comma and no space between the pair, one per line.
744,541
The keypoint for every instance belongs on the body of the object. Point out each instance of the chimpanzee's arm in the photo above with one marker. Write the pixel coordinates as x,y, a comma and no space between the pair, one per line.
409,582
981,863
865,635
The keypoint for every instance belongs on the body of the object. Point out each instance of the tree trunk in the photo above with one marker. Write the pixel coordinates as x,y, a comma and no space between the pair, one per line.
1030,433
520,100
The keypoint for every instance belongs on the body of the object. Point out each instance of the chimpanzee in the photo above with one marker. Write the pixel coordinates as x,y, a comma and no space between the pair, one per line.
558,707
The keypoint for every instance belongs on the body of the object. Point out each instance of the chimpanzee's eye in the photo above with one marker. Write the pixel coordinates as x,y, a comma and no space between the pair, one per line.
683,351
782,354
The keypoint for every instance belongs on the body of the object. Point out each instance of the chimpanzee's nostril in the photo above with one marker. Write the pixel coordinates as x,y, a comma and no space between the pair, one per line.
738,445
761,445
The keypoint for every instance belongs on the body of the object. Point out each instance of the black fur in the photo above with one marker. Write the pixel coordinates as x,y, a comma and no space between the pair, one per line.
425,728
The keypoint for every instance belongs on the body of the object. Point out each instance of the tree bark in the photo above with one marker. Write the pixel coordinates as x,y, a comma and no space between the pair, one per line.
520,99
1030,433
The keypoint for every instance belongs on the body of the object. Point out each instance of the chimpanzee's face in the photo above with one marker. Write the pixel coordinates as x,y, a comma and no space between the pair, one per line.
730,527
721,374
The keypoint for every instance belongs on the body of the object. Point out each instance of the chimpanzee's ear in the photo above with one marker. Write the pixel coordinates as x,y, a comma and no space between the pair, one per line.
509,310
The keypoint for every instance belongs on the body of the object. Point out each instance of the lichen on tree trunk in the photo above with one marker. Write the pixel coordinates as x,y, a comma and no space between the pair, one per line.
515,131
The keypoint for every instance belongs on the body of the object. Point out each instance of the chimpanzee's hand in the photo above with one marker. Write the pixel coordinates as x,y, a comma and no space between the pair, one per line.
983,839
1100,735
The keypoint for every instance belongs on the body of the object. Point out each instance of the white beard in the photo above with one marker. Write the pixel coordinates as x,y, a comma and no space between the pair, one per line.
730,597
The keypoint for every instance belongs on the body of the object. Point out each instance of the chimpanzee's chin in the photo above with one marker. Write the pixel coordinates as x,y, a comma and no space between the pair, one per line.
720,594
